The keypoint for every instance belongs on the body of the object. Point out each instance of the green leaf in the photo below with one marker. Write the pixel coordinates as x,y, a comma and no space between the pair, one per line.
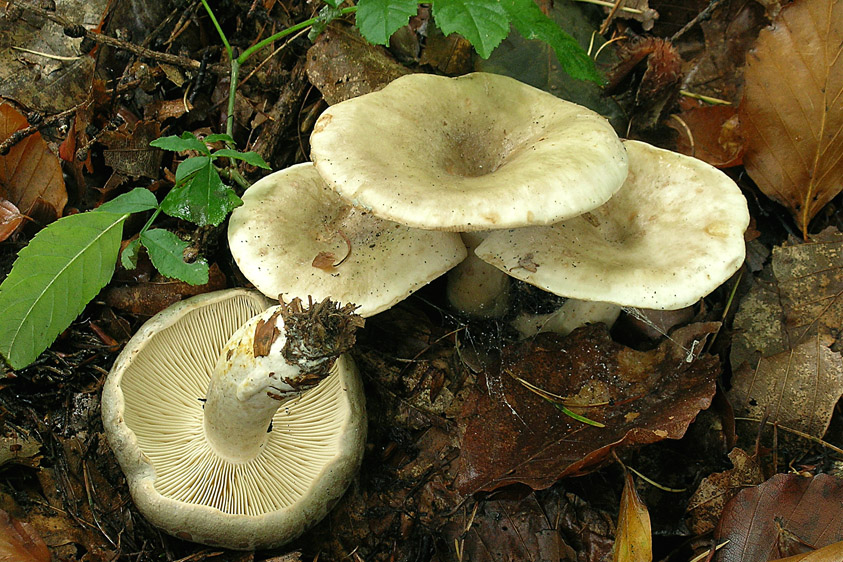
334,3
129,255
325,16
55,276
187,141
166,251
219,137
379,19
252,158
532,23
136,201
484,23
202,199
191,166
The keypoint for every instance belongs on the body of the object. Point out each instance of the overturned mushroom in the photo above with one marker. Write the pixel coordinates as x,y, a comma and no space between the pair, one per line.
477,152
671,235
295,237
237,425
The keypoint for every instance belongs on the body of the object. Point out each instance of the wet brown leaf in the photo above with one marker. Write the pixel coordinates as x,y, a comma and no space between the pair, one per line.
509,434
781,518
19,542
797,388
30,174
792,109
10,219
633,540
706,505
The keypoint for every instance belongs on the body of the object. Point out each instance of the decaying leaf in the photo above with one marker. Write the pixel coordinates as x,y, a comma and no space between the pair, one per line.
706,505
30,174
785,516
633,540
797,388
792,110
18,449
19,542
129,153
509,434
713,134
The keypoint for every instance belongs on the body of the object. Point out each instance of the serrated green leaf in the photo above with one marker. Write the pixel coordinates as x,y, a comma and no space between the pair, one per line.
135,201
187,141
129,255
377,20
532,23
216,137
55,276
191,166
252,158
484,23
202,199
325,16
166,251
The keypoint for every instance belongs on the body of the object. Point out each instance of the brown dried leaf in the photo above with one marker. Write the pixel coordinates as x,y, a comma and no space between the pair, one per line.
715,133
792,109
633,540
797,388
19,449
781,517
10,219
706,505
509,434
30,174
19,542
129,153
830,553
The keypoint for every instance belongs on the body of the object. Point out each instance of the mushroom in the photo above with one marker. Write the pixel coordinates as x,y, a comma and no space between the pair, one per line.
296,237
237,424
671,235
476,152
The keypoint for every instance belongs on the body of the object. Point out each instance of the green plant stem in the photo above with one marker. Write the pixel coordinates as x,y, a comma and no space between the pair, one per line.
232,93
219,29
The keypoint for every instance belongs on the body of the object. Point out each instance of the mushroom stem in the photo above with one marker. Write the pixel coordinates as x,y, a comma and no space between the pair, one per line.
475,287
573,314
282,351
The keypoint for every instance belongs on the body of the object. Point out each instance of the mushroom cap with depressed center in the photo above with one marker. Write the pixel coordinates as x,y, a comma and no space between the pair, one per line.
476,152
292,230
152,409
672,234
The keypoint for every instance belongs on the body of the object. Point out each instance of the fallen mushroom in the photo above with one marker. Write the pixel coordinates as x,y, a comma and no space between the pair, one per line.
293,236
237,424
476,152
671,235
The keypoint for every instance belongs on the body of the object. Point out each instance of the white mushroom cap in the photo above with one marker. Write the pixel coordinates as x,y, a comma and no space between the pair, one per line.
476,152
153,417
671,235
292,229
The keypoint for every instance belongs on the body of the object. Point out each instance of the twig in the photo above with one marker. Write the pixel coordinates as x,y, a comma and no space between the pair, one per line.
21,134
705,13
798,433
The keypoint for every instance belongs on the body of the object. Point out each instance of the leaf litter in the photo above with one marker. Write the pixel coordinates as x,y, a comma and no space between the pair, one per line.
443,426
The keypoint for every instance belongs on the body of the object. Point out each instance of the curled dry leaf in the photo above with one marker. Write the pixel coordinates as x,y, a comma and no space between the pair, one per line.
19,542
706,505
10,219
792,110
633,540
781,517
30,174
509,434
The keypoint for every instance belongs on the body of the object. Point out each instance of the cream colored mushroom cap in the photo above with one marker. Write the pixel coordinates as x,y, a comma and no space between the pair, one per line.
671,235
152,415
476,152
290,218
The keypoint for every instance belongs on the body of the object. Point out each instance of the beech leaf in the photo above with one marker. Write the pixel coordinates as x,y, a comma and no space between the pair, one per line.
19,542
792,110
633,539
781,517
30,174
10,219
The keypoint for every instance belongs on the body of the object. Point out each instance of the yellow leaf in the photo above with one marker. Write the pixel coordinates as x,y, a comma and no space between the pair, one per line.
633,540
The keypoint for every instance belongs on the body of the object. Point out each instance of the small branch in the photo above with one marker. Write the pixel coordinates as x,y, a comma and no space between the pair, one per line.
21,134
